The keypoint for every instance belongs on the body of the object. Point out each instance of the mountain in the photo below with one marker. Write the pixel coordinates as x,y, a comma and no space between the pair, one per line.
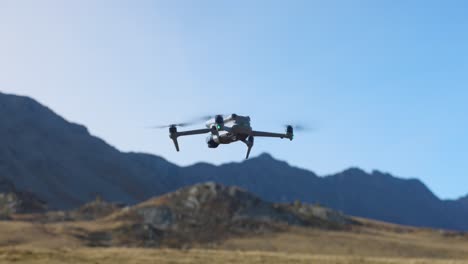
63,165
376,195
203,213
206,213
463,201
61,162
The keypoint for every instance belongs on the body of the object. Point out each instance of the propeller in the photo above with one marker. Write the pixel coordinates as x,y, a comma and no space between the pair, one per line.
218,118
301,128
184,124
208,117
171,125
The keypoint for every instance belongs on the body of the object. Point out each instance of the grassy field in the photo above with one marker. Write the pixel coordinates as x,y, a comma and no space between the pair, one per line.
373,242
363,242
163,256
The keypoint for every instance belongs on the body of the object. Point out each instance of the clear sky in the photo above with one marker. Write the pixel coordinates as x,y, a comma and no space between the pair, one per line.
385,83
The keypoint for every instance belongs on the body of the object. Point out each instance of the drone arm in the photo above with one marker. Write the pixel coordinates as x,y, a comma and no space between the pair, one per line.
270,134
174,134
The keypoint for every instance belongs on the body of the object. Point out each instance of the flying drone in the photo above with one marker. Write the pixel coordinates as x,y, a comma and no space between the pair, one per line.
226,130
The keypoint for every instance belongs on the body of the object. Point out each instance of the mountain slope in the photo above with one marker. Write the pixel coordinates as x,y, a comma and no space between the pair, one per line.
65,166
60,161
213,216
353,191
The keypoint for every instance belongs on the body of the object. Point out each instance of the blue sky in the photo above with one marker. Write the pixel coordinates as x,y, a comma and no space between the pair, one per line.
383,82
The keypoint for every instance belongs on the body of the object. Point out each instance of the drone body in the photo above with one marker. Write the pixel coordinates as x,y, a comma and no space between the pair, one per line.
226,130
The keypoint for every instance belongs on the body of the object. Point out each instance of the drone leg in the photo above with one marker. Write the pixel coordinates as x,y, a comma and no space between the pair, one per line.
176,144
249,142
248,152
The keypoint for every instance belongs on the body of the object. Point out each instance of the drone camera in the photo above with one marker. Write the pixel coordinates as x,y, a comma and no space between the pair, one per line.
210,140
215,129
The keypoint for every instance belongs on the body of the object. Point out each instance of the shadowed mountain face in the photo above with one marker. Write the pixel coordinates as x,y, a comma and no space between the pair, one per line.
377,195
65,166
60,161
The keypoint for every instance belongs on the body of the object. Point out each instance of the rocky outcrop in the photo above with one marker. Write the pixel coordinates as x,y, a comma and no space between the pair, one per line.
210,212
13,201
211,202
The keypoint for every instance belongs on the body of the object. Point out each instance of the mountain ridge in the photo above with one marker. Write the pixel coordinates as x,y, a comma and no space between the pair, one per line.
64,165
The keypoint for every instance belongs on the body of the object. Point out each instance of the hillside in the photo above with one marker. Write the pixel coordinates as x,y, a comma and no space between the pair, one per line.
213,223
62,164
201,214
210,212
377,195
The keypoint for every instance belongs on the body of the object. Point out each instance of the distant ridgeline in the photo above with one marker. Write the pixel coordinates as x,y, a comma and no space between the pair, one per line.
62,164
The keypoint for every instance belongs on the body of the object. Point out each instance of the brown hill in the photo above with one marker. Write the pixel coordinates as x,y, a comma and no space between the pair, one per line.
203,213
197,215
217,217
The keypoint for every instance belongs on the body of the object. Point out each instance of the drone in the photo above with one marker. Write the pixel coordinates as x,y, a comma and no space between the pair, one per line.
226,130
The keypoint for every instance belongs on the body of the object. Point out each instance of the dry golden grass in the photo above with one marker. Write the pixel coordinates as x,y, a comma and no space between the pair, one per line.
374,242
360,242
164,256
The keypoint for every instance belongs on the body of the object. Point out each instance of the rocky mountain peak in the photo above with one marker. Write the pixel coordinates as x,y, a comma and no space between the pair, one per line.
265,156
353,171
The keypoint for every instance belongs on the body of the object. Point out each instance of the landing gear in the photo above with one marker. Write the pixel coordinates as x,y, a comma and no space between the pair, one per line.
173,136
249,142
